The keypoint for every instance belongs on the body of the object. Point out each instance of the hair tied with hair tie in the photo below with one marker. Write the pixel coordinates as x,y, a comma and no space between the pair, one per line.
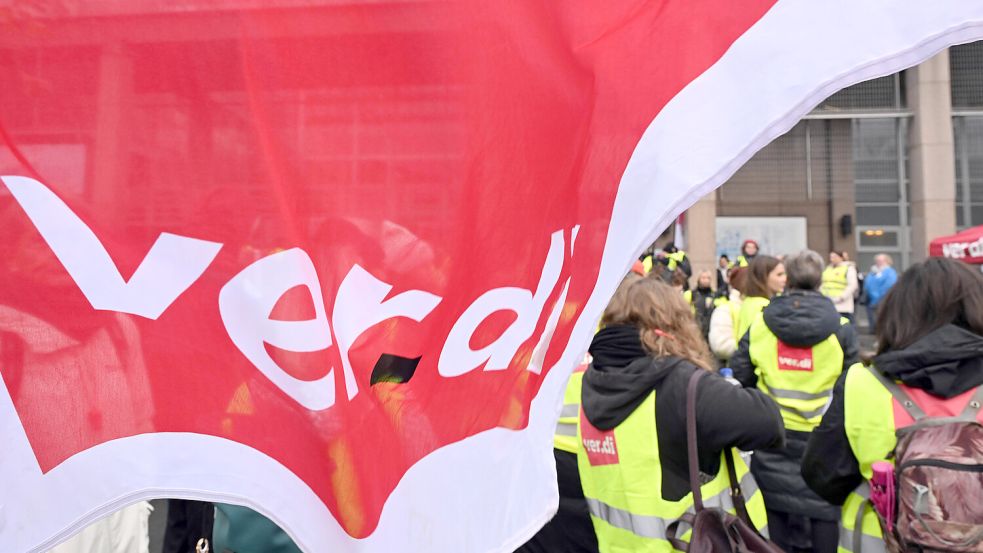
663,333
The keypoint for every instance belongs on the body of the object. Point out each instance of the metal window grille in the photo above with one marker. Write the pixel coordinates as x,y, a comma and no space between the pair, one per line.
966,73
881,94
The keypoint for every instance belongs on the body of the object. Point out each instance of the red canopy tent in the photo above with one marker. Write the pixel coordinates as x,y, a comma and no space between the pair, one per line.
966,245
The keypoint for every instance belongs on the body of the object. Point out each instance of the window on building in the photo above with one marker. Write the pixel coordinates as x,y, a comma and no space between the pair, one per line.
966,72
882,94
880,178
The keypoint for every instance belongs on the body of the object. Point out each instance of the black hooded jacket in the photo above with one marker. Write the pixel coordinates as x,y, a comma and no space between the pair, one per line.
623,375
800,318
945,363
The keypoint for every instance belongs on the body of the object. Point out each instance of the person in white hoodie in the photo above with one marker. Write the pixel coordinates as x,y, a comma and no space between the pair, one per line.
723,322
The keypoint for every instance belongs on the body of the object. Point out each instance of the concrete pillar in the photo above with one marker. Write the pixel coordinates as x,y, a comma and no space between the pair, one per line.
701,235
932,155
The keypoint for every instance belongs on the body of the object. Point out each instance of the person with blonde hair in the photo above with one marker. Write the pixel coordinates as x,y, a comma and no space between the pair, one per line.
632,454
702,300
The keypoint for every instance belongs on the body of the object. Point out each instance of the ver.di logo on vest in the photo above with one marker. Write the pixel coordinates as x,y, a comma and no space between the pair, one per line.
791,358
600,445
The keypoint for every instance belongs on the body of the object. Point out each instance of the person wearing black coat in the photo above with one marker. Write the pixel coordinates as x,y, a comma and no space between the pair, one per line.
622,376
930,336
798,519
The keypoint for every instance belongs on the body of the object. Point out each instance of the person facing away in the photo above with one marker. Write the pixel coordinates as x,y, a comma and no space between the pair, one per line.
840,283
571,530
724,320
794,352
632,450
930,339
765,279
879,280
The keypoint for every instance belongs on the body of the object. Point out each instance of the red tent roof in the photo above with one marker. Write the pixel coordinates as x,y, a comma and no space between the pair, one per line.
966,245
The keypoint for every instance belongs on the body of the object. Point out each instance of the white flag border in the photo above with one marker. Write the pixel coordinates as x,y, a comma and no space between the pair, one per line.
682,152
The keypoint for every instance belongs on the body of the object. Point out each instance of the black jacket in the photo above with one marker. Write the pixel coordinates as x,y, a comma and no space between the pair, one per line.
703,307
799,318
623,375
945,363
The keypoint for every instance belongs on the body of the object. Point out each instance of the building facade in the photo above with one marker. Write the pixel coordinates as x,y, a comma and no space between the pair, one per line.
883,166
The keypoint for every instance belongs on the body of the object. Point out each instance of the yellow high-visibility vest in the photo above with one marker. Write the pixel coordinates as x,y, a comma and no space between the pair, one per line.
647,263
800,380
751,307
870,428
675,259
834,280
621,477
565,436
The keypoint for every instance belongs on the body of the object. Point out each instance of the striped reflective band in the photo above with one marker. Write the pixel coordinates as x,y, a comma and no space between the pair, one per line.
796,394
654,527
569,410
868,544
646,526
566,429
863,490
804,414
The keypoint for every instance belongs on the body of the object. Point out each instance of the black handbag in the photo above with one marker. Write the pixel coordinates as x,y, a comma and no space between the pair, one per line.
714,529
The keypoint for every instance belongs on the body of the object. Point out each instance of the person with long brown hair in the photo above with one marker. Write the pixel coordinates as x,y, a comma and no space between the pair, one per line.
765,280
632,455
930,346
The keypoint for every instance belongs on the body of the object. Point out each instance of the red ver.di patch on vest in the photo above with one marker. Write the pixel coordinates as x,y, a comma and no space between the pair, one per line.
601,446
791,358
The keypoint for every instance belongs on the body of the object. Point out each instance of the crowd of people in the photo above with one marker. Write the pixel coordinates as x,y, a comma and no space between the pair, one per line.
848,451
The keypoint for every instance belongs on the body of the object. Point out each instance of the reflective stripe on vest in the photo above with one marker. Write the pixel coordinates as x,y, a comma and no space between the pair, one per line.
834,280
621,476
870,539
565,435
653,527
868,420
800,380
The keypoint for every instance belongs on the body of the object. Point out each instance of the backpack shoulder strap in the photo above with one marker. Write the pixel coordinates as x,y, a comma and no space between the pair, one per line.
899,394
968,414
972,409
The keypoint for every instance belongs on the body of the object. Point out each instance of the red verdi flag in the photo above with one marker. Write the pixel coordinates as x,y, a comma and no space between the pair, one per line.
334,260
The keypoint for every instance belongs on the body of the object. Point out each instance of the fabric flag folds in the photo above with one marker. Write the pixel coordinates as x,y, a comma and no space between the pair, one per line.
334,260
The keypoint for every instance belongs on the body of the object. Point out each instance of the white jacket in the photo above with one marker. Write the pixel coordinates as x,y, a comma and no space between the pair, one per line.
721,336
125,531
844,302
